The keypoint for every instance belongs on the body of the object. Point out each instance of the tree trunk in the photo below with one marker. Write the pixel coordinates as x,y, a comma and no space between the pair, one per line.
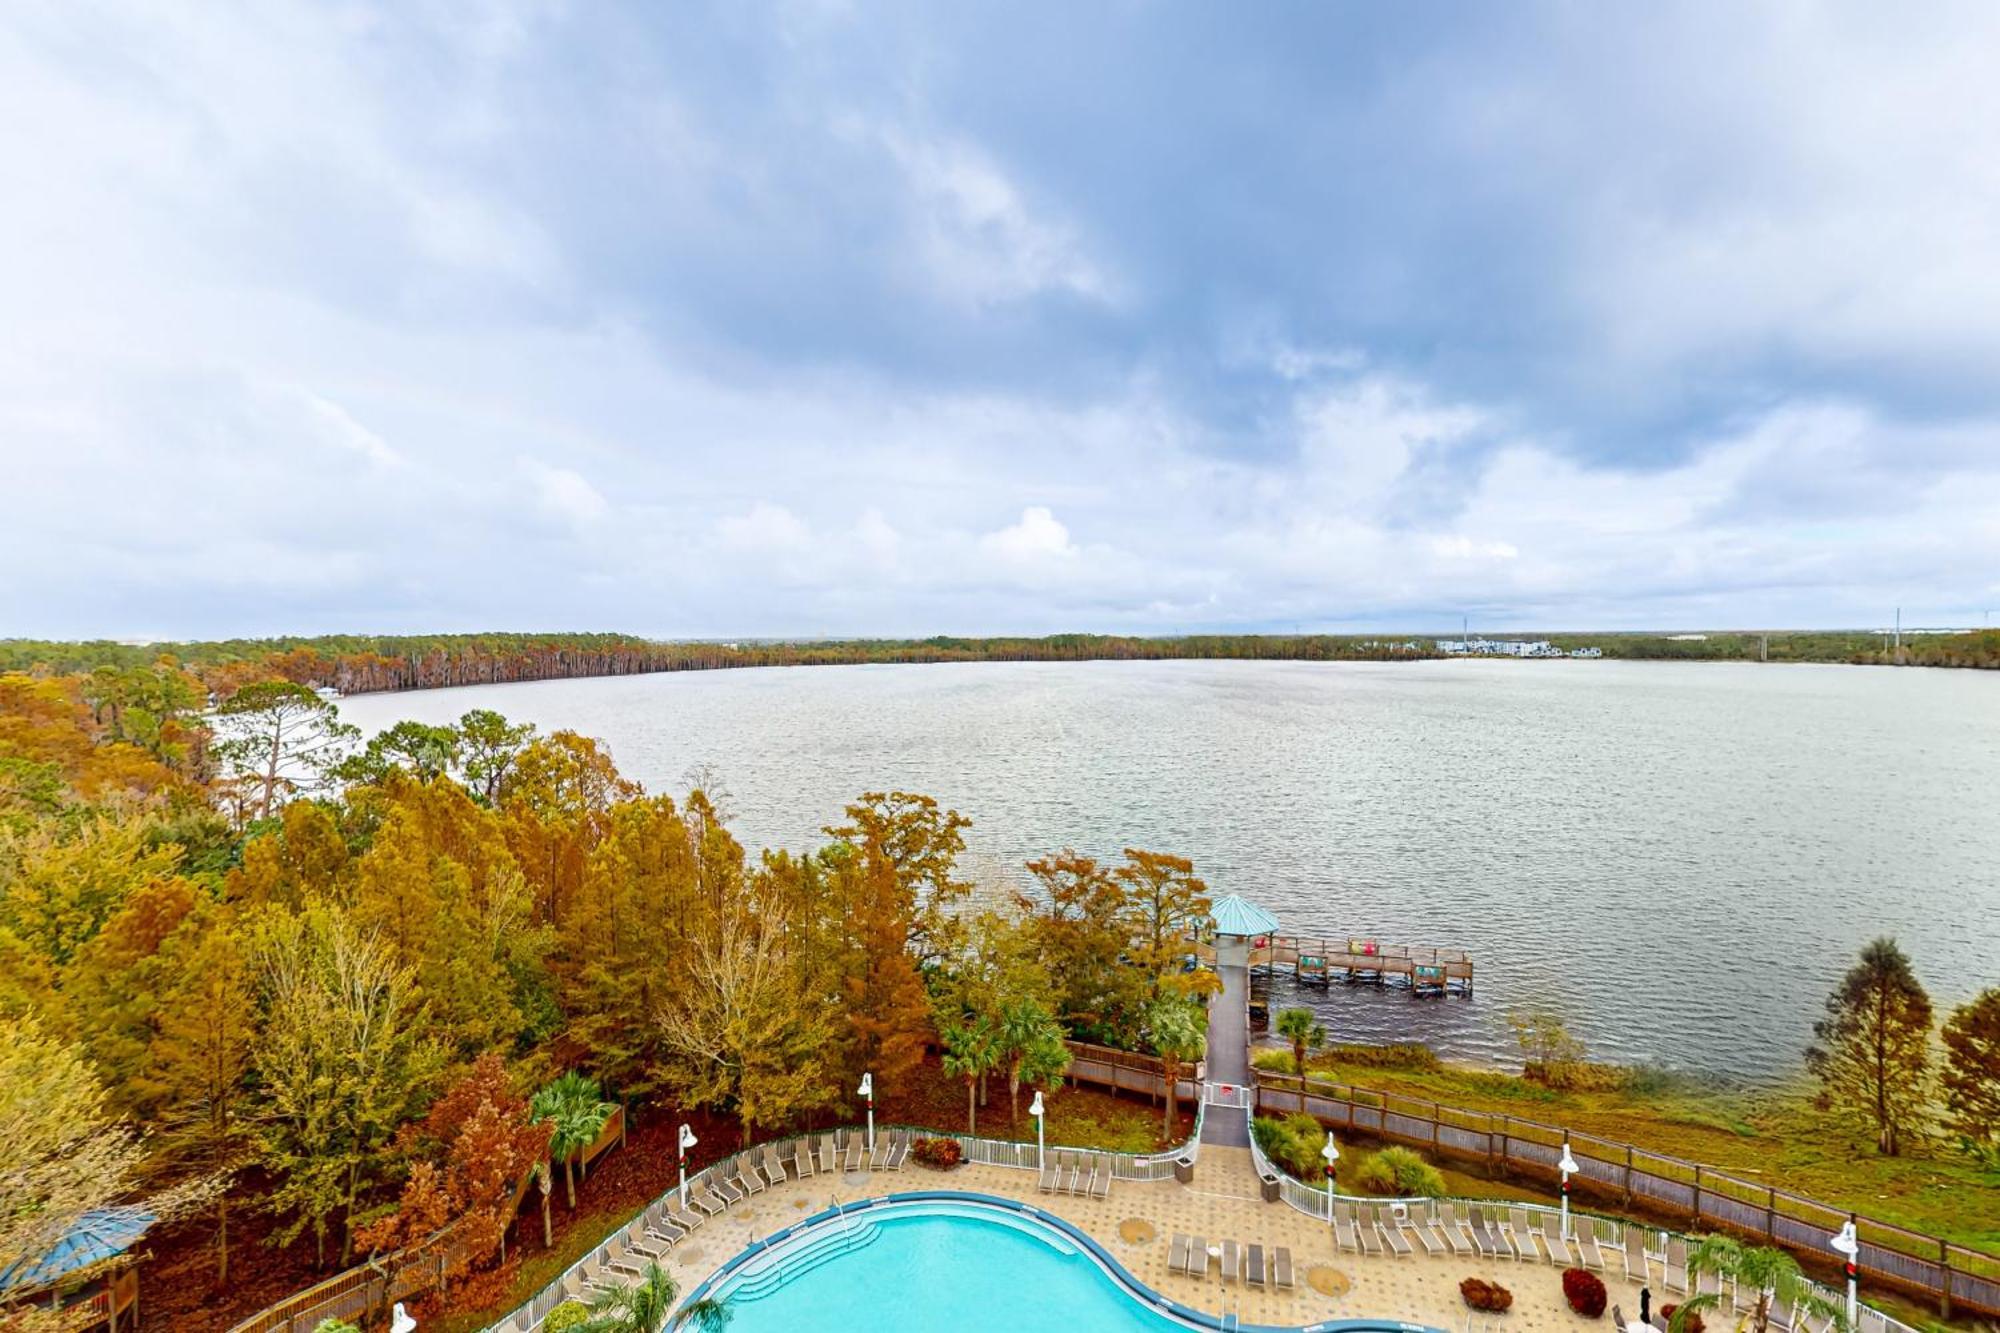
569,1182
347,1216
1014,1094
1172,1070
222,1240
971,1105
548,1232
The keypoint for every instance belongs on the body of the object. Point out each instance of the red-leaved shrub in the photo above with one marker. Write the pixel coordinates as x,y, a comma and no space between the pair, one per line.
1694,1324
1483,1295
1585,1292
939,1154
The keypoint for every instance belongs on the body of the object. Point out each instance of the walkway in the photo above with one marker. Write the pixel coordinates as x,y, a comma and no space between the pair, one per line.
1229,1055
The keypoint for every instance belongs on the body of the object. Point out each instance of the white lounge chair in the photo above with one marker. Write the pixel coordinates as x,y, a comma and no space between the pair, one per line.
1635,1254
1281,1263
1676,1265
1425,1229
1344,1232
899,1151
1254,1272
1455,1231
1392,1231
1232,1262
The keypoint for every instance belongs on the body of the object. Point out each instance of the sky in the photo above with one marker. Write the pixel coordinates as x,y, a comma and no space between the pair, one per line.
810,318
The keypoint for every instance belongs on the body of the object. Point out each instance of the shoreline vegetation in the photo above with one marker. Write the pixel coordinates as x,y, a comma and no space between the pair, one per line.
364,664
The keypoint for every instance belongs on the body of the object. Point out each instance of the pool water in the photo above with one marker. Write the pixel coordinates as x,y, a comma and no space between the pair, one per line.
956,1270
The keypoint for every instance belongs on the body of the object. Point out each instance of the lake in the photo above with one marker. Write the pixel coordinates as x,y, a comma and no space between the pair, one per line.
1680,858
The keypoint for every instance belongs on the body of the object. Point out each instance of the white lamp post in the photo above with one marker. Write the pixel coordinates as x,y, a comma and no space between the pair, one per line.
687,1141
1849,1247
1331,1155
1569,1168
401,1322
1038,1110
867,1089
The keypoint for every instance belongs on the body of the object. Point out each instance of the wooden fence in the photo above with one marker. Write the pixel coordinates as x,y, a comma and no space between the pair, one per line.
364,1292
1956,1277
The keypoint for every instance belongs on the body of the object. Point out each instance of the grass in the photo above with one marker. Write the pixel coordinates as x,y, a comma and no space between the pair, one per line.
1773,1136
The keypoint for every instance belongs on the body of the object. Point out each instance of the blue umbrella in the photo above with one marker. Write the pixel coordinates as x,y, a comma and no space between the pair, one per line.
101,1233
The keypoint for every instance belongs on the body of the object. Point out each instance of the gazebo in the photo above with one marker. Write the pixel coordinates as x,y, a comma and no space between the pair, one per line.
86,1266
1238,922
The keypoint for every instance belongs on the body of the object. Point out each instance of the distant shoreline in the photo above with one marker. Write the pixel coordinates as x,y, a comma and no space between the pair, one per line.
354,664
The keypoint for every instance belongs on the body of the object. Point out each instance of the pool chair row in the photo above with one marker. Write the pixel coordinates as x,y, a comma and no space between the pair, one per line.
1438,1228
848,1150
1087,1174
1192,1255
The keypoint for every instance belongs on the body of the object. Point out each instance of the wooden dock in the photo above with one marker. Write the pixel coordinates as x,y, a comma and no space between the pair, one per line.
1423,969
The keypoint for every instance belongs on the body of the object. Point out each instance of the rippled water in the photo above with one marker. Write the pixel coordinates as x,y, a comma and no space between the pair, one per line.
1680,857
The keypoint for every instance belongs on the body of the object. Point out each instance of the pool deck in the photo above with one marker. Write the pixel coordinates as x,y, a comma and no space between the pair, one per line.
1221,1204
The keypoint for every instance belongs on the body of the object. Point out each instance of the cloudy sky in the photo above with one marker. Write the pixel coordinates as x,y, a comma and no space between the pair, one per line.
813,318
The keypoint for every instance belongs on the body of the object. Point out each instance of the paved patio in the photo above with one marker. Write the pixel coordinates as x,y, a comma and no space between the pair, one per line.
1221,1203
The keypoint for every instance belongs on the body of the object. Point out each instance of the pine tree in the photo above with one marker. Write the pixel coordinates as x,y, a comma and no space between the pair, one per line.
1874,1045
1972,1075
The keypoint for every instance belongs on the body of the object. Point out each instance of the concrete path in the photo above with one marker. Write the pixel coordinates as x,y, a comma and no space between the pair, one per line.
1229,1054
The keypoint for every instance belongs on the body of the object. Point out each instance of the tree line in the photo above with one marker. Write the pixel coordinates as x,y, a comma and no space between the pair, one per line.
249,962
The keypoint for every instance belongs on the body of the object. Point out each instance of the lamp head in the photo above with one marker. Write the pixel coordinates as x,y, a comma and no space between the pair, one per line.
867,1088
401,1322
1568,1164
1037,1109
1329,1152
687,1138
1845,1241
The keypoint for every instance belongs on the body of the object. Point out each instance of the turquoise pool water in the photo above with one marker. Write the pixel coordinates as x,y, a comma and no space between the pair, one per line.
939,1268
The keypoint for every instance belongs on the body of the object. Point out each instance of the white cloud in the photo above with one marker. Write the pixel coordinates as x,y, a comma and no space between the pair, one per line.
1036,537
564,495
765,527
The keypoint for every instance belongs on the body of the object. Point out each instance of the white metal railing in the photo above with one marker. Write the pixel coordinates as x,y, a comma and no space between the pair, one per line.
1316,1203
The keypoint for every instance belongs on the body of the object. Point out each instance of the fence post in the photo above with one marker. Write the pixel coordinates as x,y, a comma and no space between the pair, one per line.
1944,1279
1628,1175
1437,1114
1697,1192
1771,1214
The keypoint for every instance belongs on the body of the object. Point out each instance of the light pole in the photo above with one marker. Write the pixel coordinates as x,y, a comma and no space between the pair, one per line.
867,1089
1849,1247
1038,1110
401,1322
687,1141
1331,1155
1569,1168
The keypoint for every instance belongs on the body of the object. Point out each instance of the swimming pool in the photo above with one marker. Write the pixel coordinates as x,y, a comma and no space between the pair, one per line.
943,1260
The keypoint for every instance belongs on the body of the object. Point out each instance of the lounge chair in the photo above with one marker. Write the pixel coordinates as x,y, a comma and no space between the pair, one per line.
1281,1262
1198,1259
1521,1232
1618,1318
1371,1236
747,1177
1391,1229
1343,1228
899,1150
1455,1232
1781,1316
1072,1171
854,1147
1587,1249
1177,1253
1051,1173
829,1154
730,1191
686,1218
1253,1270
1484,1238
1635,1254
1101,1183
774,1165
1559,1247
802,1159
704,1197
1676,1266
1423,1226
1232,1262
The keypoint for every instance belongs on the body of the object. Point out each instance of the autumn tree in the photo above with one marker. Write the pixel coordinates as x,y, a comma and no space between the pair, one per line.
304,857
1873,1052
61,1152
1972,1075
1077,918
1166,905
883,999
922,841
343,1058
557,805
112,992
278,737
59,886
200,1055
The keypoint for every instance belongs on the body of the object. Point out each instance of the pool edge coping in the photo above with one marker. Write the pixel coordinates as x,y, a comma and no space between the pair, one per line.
1134,1289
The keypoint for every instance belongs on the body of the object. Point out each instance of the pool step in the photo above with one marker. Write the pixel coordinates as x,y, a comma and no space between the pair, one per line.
824,1252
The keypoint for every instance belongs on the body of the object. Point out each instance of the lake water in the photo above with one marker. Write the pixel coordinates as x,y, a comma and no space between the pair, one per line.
1681,858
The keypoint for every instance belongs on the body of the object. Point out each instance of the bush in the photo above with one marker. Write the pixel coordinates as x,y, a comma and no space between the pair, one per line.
1293,1143
1693,1324
938,1154
1585,1292
334,1326
1491,1297
1400,1171
568,1315
1396,1055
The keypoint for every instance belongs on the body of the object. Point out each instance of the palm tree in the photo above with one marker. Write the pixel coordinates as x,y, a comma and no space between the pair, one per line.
578,1114
1771,1274
1302,1030
1180,1036
969,1051
1031,1045
645,1307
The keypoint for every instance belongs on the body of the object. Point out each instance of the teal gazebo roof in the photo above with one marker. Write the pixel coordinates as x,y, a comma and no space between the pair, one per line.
101,1233
1237,915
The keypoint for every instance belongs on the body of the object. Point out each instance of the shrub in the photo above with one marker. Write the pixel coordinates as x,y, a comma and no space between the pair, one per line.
938,1154
334,1326
1400,1171
1491,1297
1293,1143
1396,1055
1584,1291
1693,1323
568,1315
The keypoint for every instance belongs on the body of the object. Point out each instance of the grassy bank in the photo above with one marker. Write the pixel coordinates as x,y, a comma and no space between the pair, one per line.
1773,1136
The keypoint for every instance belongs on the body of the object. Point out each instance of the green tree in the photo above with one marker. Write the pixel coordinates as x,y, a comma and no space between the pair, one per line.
1772,1275
278,737
417,747
1304,1031
1972,1075
647,1305
488,744
1032,1048
1178,1030
1873,1053
970,1051
576,1115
